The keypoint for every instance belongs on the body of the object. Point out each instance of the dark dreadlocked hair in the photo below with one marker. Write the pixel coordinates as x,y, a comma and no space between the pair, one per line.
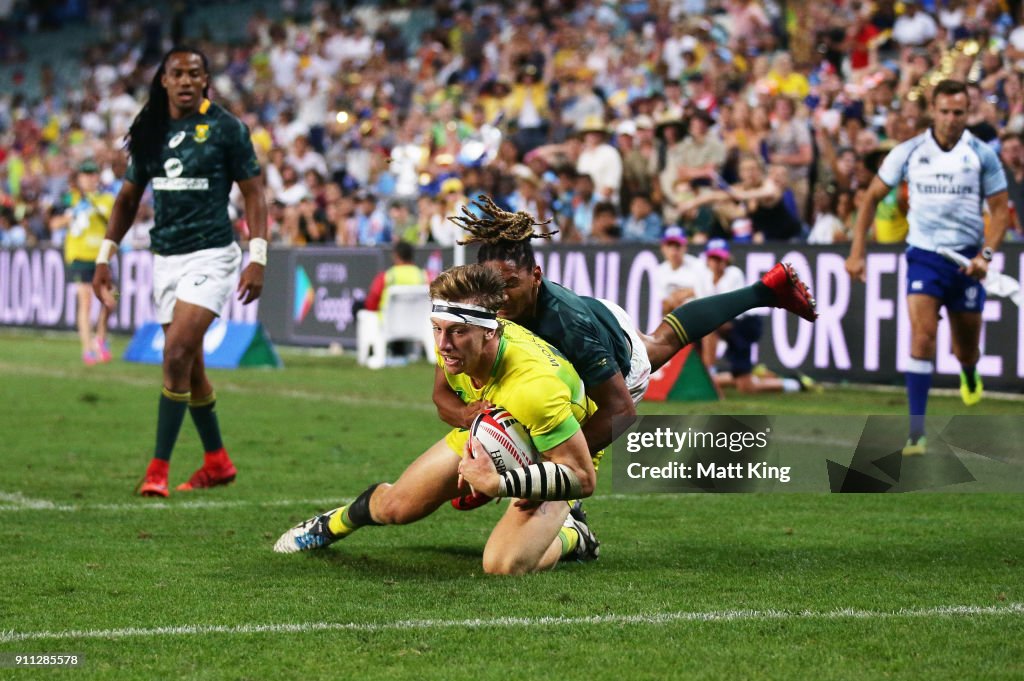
146,135
503,235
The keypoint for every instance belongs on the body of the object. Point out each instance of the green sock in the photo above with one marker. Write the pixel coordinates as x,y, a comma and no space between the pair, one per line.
170,415
700,317
204,417
570,538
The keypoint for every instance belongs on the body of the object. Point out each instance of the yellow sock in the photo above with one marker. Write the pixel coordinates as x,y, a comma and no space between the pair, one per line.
570,539
336,522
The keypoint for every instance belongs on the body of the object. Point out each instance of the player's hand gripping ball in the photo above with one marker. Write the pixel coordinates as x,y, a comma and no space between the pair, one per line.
504,438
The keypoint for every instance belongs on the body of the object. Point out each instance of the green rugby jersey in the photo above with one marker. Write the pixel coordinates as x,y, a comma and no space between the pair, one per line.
584,330
204,155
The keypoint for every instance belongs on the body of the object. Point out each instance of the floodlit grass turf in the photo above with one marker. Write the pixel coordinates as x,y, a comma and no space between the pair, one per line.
80,553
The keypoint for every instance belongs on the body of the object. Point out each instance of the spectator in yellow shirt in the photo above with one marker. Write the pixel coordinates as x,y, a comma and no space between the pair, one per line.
785,80
87,224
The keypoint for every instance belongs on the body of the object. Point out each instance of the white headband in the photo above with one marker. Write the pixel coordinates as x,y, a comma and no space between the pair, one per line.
464,313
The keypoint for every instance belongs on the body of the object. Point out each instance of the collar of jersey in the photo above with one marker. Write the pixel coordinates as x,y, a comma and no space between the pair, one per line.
204,107
502,344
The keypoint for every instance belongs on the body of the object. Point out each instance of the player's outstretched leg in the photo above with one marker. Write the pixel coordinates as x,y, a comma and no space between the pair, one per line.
326,528
779,287
428,482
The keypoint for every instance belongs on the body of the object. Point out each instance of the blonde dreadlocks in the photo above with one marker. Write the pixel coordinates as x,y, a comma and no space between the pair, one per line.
495,225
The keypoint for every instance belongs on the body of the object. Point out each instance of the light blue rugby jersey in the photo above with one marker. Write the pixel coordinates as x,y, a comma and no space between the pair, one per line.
946,188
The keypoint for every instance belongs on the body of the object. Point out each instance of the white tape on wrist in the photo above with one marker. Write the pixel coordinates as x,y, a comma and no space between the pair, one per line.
541,481
258,251
107,248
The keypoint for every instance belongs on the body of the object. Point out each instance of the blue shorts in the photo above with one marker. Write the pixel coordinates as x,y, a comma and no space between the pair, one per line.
738,343
932,275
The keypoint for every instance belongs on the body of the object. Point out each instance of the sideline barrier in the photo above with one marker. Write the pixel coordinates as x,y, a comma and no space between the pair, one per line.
684,378
862,335
227,345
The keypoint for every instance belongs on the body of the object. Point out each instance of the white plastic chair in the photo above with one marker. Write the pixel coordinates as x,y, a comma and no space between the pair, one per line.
406,317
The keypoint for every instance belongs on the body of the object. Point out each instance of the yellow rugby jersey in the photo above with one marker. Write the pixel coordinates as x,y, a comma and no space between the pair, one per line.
89,217
535,383
891,224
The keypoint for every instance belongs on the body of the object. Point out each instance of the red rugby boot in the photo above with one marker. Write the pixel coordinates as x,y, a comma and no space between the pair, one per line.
154,484
790,293
216,470
467,502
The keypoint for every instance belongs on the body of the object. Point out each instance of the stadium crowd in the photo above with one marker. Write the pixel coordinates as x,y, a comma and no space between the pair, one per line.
732,119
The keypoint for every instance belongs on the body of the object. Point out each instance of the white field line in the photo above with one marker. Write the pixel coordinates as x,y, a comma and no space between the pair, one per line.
652,619
221,386
15,502
418,405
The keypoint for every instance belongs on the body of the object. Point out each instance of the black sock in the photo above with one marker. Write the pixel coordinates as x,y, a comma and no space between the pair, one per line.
969,370
358,511
170,415
204,417
700,317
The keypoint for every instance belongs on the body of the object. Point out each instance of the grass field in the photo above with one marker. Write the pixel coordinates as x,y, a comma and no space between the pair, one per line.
794,586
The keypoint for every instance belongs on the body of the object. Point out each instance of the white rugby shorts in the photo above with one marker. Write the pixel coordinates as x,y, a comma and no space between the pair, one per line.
639,376
206,278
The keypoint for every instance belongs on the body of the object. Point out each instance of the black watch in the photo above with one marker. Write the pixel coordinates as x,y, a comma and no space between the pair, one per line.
986,254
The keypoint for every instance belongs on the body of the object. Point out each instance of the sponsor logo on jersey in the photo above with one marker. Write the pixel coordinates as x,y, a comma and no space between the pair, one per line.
202,133
178,138
178,184
173,167
200,280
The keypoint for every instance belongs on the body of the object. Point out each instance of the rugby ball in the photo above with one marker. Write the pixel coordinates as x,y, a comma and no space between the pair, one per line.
504,438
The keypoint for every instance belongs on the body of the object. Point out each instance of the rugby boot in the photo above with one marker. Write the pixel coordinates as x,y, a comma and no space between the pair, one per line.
154,484
790,293
216,470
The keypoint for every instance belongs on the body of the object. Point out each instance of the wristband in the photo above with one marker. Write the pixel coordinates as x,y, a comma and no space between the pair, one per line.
258,251
107,248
